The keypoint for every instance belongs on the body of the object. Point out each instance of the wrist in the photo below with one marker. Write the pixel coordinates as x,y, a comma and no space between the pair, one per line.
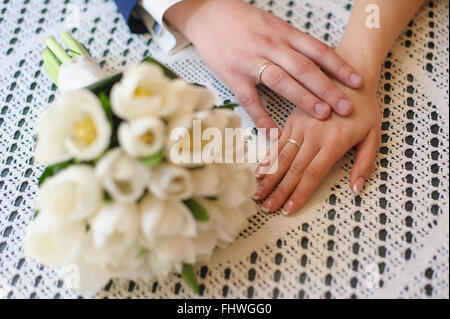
184,16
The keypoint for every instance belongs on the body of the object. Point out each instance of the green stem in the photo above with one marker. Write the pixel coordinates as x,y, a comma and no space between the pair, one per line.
75,47
52,73
57,50
50,59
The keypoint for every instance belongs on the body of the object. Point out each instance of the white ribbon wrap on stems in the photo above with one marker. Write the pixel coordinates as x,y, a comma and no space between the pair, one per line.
79,72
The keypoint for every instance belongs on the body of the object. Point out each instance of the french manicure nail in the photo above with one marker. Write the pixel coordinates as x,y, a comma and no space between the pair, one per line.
287,208
321,110
355,78
258,192
267,205
344,106
259,170
358,186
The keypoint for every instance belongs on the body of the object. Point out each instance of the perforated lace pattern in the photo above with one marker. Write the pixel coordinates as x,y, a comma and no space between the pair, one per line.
392,241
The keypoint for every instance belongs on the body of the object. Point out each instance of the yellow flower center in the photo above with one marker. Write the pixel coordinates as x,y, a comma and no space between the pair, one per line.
85,131
147,138
141,92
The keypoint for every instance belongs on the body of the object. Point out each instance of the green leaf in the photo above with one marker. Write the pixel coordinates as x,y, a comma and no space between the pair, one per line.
189,277
106,104
52,170
194,168
142,252
105,84
229,106
197,209
153,160
106,197
168,72
112,118
35,213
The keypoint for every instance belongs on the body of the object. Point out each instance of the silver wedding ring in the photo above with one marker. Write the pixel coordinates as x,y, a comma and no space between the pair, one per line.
291,140
261,70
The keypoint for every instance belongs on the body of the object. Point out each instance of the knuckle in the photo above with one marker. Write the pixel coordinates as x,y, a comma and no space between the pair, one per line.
279,194
284,158
232,68
304,67
330,91
268,182
263,40
314,125
312,172
335,138
297,167
245,99
322,49
340,66
273,77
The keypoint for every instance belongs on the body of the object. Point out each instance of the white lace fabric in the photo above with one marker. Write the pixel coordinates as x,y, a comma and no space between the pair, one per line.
392,241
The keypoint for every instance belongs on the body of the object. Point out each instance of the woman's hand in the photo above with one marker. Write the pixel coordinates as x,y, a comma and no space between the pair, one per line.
236,39
322,144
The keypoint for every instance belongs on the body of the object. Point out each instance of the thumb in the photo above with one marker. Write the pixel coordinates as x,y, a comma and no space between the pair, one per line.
365,157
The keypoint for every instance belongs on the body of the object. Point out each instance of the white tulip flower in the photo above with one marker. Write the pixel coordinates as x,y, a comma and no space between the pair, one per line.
171,181
113,232
124,178
54,242
143,91
142,137
72,194
239,184
226,221
76,126
191,98
204,244
169,253
165,218
207,180
203,139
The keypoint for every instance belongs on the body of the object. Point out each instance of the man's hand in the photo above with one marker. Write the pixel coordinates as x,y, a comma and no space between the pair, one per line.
236,39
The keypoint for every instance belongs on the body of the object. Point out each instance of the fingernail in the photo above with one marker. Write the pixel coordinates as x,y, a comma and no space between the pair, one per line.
344,107
258,192
287,208
355,78
267,206
321,110
358,187
259,170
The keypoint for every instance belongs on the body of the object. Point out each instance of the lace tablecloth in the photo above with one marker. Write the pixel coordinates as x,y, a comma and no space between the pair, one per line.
392,241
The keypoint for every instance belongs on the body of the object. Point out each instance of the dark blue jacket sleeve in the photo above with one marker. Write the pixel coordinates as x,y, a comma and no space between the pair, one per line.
126,8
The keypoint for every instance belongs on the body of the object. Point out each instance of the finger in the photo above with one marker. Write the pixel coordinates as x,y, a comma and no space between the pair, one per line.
282,83
247,96
278,170
313,175
266,163
365,157
311,76
327,58
293,175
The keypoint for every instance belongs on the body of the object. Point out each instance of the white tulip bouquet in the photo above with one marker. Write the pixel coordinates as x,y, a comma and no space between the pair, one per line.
112,200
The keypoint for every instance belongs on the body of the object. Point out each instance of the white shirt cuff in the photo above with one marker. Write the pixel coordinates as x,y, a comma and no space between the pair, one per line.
152,12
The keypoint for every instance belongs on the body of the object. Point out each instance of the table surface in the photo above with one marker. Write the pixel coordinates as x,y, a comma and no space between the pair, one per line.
390,242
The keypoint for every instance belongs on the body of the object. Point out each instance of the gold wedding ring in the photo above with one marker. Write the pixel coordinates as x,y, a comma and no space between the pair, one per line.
261,70
291,140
